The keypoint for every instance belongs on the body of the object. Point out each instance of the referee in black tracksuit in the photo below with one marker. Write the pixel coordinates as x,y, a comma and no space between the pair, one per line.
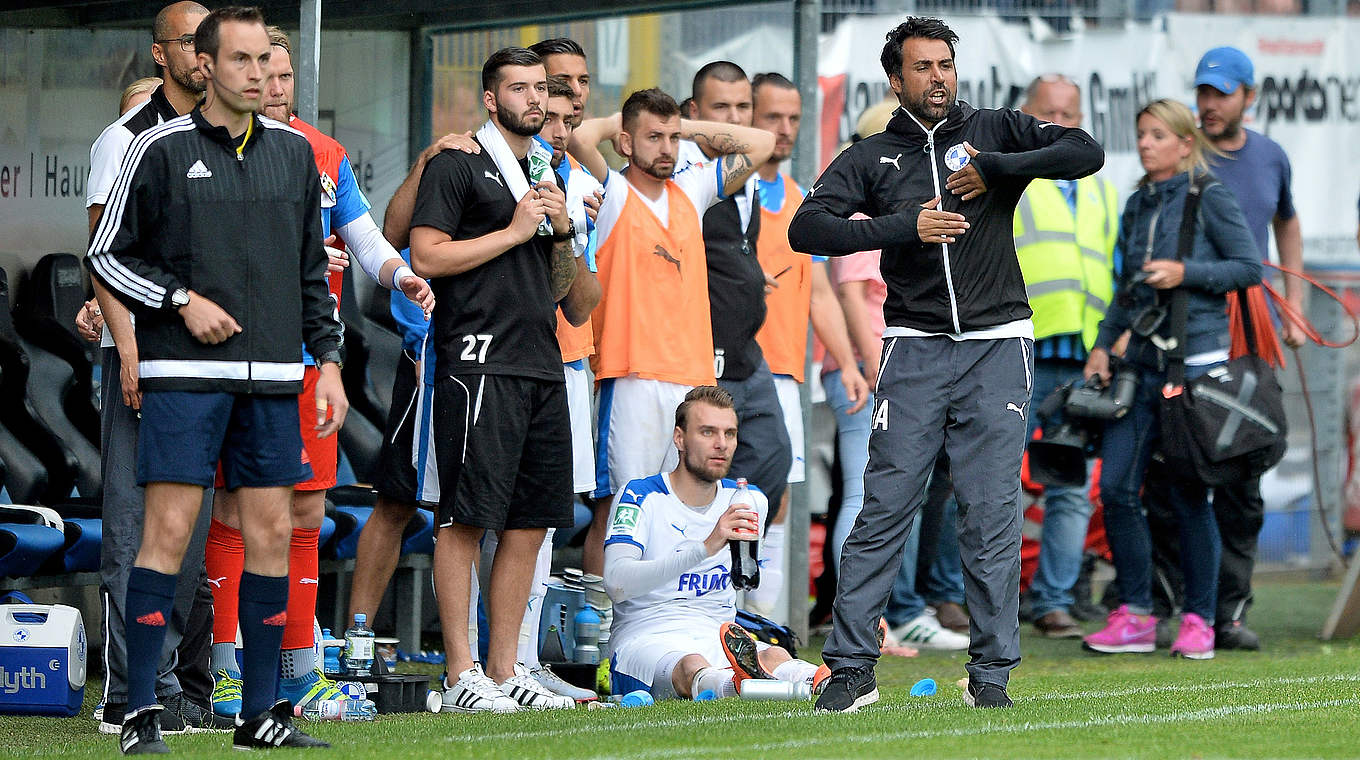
941,186
212,237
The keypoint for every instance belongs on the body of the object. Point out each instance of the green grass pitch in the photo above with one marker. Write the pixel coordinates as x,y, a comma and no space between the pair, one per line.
1298,698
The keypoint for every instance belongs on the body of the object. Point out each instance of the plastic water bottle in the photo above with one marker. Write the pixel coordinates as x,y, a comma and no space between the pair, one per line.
359,647
767,690
745,562
637,698
588,636
347,710
320,709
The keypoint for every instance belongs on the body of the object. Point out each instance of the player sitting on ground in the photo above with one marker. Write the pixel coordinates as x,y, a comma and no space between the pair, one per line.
666,568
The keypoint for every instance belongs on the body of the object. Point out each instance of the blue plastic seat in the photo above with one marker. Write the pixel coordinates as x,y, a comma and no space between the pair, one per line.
351,519
82,540
327,532
24,547
419,535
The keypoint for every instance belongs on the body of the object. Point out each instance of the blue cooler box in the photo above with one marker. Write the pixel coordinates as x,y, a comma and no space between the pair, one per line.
42,659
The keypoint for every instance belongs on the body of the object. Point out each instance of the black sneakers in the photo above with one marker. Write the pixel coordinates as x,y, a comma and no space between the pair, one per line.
112,721
141,732
273,728
847,690
1235,635
195,718
986,695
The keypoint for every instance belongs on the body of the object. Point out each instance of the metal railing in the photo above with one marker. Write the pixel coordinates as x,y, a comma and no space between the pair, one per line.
1065,15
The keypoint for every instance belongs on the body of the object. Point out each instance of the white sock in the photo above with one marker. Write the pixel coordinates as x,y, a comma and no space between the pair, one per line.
716,680
296,663
763,599
527,651
795,671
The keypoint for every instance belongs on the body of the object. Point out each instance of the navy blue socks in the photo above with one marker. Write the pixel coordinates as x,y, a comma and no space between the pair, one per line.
150,598
263,614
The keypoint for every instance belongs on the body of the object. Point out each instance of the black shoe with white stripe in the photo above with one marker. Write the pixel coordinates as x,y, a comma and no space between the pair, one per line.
847,690
141,732
273,728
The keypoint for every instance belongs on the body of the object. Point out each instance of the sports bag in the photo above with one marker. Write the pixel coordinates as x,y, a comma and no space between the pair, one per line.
1228,425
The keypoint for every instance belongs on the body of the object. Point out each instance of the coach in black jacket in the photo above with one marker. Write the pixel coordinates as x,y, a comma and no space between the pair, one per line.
941,185
212,235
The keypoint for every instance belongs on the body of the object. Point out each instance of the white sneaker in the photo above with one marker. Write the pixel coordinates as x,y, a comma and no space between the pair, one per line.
526,691
474,692
925,632
554,683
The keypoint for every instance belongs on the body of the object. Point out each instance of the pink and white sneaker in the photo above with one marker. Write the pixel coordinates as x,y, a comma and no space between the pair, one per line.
1195,640
1124,632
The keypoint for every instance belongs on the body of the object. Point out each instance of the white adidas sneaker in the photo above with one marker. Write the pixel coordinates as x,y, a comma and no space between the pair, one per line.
474,693
527,692
925,632
554,683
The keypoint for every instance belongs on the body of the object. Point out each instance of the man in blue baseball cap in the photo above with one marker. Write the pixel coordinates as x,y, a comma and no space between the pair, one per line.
1256,170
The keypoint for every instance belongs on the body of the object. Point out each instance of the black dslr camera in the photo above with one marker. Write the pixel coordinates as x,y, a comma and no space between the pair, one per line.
1059,457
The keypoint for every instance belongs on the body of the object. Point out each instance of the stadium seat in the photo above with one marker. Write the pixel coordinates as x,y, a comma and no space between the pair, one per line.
21,416
52,387
327,533
362,443
84,536
358,352
30,537
384,347
419,535
356,517
24,476
45,317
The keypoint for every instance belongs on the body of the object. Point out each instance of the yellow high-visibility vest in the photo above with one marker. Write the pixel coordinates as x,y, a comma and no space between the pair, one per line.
1067,262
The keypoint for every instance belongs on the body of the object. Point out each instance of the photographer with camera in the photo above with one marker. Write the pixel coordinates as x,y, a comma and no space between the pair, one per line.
1220,257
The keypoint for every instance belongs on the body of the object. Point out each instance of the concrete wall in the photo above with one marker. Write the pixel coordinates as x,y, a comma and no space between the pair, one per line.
60,88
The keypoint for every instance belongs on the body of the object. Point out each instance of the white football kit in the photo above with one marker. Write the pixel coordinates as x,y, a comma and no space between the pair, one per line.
682,611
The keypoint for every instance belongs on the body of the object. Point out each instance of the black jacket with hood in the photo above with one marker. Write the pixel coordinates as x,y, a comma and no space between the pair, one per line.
975,282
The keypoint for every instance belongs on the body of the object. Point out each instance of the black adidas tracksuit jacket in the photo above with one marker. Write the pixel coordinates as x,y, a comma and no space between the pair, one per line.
244,231
941,288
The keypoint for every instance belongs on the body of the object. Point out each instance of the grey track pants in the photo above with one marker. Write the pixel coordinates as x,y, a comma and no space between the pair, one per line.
124,510
970,398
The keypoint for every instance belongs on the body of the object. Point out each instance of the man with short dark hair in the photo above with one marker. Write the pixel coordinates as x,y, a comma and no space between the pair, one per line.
493,232
565,58
736,296
584,294
224,315
653,336
183,682
939,187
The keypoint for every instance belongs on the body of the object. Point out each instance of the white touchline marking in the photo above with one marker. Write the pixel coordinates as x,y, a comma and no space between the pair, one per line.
1180,716
805,710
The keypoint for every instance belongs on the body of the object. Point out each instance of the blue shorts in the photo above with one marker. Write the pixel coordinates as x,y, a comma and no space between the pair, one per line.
184,434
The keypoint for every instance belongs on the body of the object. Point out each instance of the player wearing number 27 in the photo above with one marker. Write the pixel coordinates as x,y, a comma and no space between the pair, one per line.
492,231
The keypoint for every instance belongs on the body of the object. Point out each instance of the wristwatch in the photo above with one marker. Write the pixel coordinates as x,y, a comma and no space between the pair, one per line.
179,299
